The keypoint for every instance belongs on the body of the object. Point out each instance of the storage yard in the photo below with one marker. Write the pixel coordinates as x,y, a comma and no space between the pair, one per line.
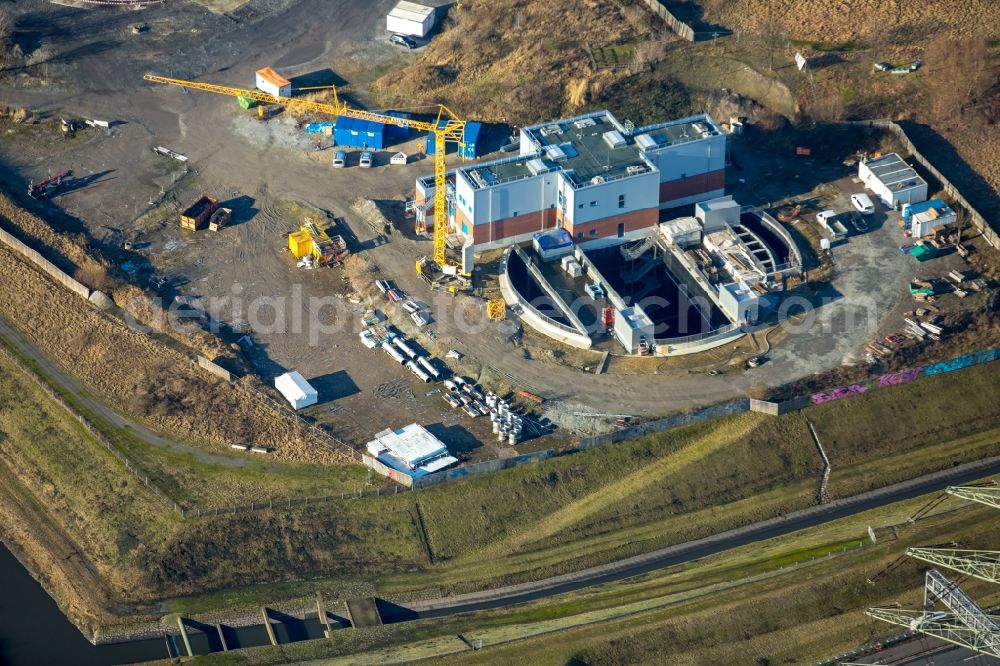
319,299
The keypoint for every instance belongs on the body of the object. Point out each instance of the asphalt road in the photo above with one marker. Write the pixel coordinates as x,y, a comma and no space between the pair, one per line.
693,550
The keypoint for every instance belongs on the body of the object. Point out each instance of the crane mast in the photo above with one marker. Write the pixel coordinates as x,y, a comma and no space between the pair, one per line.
447,127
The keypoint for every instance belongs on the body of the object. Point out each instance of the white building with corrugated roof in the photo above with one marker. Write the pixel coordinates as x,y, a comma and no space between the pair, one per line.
410,18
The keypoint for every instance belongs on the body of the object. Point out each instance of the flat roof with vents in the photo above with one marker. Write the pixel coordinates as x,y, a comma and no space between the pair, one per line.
593,148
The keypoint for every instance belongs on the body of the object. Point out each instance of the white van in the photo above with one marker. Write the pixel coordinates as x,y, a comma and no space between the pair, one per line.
863,203
339,159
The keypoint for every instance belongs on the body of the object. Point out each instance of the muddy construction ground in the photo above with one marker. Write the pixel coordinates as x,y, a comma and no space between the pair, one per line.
88,63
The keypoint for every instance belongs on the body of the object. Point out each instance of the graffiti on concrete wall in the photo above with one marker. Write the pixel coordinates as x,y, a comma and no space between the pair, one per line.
907,376
897,378
838,393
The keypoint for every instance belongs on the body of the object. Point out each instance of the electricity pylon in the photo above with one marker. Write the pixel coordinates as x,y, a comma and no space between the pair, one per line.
967,624
988,495
981,564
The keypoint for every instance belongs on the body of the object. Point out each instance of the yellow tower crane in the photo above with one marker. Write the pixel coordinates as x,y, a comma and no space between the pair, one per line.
446,128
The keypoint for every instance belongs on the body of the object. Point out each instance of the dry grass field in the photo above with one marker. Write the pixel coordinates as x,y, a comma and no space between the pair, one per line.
848,20
514,61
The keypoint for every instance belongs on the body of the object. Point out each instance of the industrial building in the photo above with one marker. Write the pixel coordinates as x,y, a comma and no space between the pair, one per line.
411,449
892,180
272,83
296,390
600,180
411,18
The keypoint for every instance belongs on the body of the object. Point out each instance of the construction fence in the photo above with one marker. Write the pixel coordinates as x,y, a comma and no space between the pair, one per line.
44,264
682,29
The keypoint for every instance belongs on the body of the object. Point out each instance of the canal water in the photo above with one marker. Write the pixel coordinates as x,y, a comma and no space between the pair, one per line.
34,631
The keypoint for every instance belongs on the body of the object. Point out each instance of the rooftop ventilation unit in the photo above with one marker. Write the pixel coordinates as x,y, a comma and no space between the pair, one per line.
554,152
635,169
584,122
614,139
537,166
478,178
551,129
597,180
645,142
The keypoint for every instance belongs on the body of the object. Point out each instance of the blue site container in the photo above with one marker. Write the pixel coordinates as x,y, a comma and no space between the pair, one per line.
471,137
397,131
429,148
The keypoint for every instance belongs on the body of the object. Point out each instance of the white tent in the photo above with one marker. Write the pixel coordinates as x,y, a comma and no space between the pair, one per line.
410,18
296,390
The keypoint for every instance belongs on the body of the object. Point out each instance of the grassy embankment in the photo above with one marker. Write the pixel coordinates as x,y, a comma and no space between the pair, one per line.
601,505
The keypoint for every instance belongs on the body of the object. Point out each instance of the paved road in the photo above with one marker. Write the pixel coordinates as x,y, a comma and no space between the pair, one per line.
692,550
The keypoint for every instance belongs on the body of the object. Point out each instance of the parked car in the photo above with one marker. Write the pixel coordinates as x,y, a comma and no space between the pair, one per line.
863,203
859,223
339,159
366,159
402,40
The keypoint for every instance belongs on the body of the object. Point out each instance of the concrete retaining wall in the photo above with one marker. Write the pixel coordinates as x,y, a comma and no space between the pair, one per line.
721,337
214,369
536,320
44,264
402,479
795,263
778,408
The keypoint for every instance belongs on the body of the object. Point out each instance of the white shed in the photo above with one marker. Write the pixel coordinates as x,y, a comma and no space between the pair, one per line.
272,83
410,18
893,180
296,390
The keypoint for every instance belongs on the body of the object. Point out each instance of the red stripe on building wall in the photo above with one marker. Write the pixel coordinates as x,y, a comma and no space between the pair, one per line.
686,187
513,226
608,226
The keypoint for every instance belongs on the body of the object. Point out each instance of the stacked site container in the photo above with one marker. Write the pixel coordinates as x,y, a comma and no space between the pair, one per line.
358,133
397,131
468,151
473,131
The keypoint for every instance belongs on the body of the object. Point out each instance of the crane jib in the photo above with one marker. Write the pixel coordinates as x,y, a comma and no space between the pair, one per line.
446,128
